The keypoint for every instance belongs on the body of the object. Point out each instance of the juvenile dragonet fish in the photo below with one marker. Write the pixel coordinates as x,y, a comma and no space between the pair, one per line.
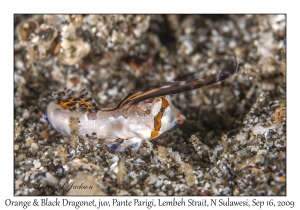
142,115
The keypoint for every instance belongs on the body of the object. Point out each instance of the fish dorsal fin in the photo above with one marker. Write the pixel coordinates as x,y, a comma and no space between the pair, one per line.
176,87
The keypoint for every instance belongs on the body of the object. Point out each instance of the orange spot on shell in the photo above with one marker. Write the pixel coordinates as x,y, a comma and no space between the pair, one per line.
164,103
157,118
154,134
157,121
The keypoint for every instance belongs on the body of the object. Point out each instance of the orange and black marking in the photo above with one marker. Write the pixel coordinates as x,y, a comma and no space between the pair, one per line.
179,118
157,118
67,104
68,99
